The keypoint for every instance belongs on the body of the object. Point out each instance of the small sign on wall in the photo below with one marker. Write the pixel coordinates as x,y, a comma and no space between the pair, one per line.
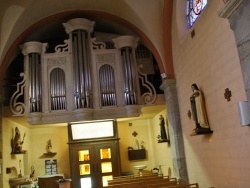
51,166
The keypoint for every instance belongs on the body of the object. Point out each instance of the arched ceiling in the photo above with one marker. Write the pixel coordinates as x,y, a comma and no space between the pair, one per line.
19,18
25,20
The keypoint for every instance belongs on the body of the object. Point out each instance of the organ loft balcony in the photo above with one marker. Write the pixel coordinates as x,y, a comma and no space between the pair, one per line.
82,77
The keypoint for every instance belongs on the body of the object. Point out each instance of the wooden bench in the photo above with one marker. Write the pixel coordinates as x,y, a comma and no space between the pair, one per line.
134,179
142,182
189,185
127,185
162,184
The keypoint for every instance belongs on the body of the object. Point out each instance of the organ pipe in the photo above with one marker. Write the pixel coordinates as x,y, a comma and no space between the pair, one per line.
58,89
32,52
130,89
107,85
35,91
79,30
127,46
81,69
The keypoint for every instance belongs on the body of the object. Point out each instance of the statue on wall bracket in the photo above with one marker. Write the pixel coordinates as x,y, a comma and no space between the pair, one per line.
17,142
163,137
199,113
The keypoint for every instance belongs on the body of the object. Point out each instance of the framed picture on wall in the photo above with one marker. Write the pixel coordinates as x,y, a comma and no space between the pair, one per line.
51,166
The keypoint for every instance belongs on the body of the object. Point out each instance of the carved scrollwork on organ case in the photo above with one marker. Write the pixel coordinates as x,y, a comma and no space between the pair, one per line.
150,96
18,108
98,45
62,47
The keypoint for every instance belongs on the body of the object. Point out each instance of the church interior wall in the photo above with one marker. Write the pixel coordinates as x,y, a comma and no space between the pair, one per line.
210,60
36,139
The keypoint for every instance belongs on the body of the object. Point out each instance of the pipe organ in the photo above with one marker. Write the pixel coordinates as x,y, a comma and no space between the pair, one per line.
82,80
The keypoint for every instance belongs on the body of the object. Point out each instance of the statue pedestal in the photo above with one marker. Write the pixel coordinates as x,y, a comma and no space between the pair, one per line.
200,131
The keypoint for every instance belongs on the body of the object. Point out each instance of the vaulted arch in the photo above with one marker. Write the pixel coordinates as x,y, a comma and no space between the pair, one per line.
133,22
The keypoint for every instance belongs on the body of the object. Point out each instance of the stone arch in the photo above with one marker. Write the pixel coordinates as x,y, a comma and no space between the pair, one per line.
13,50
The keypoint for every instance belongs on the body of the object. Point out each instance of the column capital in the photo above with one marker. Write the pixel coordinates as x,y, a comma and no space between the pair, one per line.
79,23
33,47
166,83
229,7
126,41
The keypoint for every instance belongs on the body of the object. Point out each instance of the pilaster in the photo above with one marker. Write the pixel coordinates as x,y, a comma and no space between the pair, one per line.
229,7
238,14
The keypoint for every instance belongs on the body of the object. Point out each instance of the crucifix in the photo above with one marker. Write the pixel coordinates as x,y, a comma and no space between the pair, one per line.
134,133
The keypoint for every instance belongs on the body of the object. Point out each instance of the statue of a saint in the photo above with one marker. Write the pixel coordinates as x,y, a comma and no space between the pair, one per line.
199,112
17,142
163,130
49,146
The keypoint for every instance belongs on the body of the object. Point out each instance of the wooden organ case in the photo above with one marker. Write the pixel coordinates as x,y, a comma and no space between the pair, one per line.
82,80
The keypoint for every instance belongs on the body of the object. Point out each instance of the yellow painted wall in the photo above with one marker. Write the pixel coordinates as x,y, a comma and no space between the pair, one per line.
12,160
59,139
35,146
125,130
148,130
161,151
36,141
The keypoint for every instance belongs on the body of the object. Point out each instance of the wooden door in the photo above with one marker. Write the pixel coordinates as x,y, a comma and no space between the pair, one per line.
107,159
81,160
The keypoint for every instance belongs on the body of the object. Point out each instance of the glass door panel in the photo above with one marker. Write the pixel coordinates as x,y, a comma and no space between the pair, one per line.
93,164
86,182
84,169
105,180
83,155
106,167
105,153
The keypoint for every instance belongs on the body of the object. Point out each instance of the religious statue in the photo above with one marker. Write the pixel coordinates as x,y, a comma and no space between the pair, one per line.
49,146
199,112
163,135
16,142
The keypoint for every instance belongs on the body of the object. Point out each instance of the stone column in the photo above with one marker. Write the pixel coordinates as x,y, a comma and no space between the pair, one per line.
238,14
175,130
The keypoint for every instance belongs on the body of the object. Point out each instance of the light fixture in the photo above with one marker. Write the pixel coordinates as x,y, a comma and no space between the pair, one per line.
244,113
92,129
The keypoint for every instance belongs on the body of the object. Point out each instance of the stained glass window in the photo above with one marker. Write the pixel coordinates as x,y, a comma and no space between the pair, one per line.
194,9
